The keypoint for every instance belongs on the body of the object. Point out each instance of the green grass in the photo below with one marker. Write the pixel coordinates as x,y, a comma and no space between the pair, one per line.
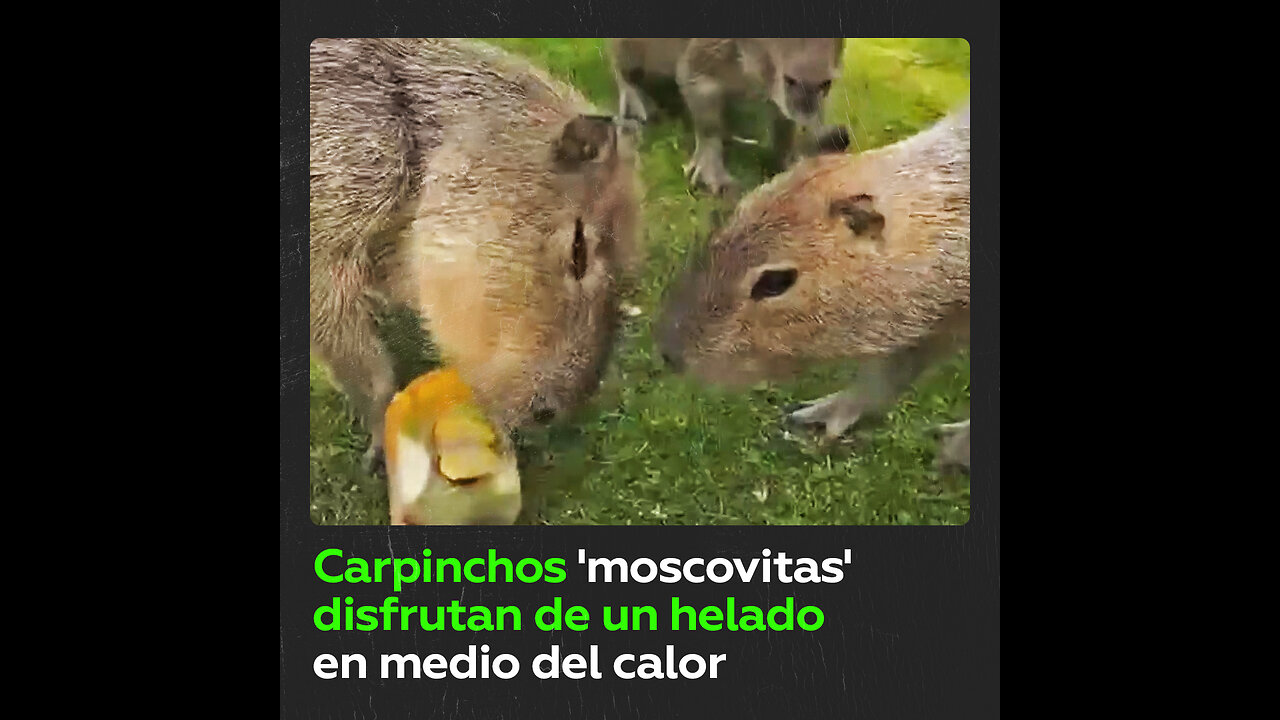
652,447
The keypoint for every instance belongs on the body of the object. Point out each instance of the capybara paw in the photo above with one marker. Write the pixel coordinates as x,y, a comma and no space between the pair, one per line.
836,413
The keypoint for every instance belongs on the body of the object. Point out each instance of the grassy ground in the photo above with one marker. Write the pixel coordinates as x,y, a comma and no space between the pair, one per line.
655,448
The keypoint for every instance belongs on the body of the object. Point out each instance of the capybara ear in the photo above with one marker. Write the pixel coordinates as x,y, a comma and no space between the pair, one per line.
860,214
586,138
834,139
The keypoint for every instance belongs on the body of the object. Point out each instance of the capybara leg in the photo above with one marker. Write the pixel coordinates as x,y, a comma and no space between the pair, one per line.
360,365
835,412
880,381
705,99
953,450
368,380
632,103
628,72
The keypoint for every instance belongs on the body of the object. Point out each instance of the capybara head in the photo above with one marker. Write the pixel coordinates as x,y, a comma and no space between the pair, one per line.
806,67
842,256
522,233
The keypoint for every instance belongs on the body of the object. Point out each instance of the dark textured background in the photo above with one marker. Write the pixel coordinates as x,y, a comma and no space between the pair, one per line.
912,632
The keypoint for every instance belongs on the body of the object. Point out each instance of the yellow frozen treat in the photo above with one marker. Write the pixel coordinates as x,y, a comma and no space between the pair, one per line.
446,465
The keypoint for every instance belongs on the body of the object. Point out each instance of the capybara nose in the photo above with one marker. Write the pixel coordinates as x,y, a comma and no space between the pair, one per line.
834,139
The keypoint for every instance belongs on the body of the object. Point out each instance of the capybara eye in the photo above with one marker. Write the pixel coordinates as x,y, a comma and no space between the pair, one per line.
825,87
579,251
790,80
773,283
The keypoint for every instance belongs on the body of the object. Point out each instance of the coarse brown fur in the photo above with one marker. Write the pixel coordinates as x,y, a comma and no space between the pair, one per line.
794,73
459,180
845,256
